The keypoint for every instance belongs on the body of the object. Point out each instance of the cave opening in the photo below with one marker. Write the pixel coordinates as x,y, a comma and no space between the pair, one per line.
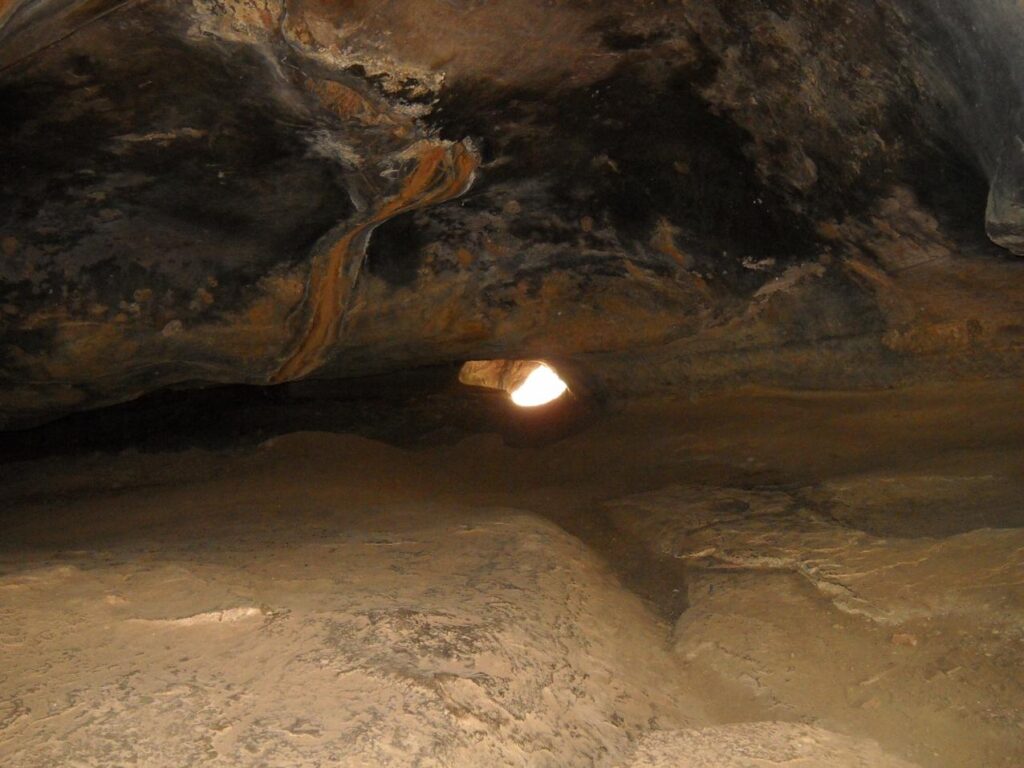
529,383
511,383
540,387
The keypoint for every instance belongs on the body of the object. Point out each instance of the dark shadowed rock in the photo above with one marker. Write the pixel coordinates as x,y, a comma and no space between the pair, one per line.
257,191
1004,218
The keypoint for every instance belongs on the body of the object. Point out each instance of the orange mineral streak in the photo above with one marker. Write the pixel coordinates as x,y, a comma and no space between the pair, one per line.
7,8
350,104
442,172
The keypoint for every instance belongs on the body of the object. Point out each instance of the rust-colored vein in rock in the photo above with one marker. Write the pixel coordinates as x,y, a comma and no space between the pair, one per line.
442,172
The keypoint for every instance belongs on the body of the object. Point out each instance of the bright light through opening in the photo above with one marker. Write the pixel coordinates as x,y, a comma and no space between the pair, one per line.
540,387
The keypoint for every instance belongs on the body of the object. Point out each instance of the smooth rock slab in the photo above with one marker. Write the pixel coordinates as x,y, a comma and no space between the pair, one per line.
411,637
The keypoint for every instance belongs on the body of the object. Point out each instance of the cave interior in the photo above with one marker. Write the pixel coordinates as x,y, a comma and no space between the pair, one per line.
541,383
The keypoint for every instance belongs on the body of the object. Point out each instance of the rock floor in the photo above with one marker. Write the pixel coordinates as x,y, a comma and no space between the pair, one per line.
760,579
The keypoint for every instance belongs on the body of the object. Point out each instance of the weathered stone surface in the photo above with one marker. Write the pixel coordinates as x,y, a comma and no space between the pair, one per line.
888,580
496,374
796,613
760,745
773,647
1004,217
664,195
397,637
208,602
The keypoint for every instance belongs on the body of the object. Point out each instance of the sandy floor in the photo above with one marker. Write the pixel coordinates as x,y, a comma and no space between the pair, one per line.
759,579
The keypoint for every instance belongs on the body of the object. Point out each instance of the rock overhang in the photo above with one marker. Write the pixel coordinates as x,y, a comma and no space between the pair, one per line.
258,191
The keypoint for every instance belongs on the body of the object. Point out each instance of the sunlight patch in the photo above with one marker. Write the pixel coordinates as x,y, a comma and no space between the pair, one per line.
529,383
541,387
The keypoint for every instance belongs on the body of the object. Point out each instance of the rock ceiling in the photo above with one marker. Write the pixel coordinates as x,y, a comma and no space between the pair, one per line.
654,194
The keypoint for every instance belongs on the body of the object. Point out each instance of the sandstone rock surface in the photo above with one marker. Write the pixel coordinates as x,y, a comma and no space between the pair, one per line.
760,745
415,637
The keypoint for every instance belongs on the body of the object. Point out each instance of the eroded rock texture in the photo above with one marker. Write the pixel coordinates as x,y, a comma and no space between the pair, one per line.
1005,214
379,644
658,195
888,580
764,745
823,579
901,624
